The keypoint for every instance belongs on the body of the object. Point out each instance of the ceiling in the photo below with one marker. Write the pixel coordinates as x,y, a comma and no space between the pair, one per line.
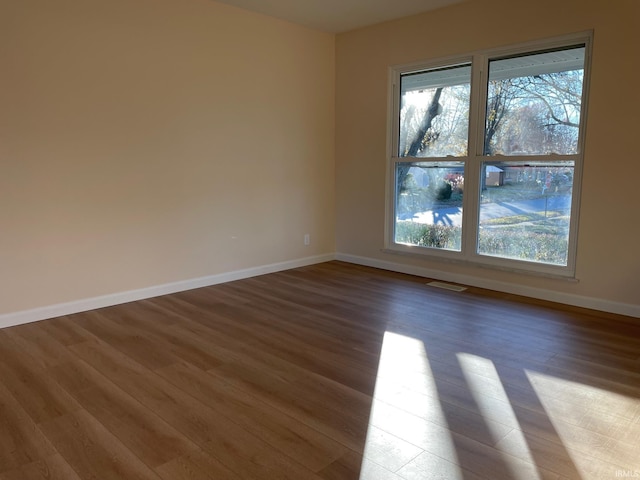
339,15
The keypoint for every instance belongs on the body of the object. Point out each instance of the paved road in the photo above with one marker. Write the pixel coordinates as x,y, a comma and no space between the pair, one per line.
453,215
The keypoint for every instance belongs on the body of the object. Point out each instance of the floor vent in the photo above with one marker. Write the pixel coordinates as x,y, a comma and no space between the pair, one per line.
447,286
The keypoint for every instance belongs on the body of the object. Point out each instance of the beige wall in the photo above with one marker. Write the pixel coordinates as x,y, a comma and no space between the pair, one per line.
608,262
144,142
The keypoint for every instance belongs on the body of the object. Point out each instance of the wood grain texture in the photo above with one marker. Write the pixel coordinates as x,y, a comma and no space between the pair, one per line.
53,467
327,372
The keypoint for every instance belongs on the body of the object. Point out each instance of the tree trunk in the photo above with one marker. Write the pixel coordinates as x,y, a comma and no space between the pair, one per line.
416,146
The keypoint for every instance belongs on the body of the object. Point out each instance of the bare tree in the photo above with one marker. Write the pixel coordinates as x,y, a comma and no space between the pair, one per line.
534,114
424,136
501,96
561,93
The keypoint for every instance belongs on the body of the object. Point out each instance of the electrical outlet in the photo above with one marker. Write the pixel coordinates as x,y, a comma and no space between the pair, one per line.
307,239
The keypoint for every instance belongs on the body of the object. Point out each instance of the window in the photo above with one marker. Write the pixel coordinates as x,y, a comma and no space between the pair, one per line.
486,156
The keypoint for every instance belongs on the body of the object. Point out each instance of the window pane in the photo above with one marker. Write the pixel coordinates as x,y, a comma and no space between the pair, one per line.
434,113
534,103
525,211
429,204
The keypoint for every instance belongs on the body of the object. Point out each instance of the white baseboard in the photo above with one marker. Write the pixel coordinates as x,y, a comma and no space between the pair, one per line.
514,288
69,308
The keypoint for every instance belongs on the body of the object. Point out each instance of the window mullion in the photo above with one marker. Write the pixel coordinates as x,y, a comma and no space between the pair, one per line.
479,80
474,159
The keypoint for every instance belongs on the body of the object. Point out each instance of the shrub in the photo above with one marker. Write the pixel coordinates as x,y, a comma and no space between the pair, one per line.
443,191
428,235
538,246
533,245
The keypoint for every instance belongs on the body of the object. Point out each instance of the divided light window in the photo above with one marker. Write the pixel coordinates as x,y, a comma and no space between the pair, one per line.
487,155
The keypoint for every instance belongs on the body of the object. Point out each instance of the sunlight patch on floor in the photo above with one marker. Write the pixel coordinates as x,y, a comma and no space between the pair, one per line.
405,443
474,368
591,431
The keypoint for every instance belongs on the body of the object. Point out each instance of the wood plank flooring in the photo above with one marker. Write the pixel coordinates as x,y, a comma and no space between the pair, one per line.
327,372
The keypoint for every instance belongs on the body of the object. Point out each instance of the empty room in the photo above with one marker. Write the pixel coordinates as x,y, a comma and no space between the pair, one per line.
358,240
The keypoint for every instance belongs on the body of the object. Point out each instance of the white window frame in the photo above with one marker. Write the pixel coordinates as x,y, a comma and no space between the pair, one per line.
475,156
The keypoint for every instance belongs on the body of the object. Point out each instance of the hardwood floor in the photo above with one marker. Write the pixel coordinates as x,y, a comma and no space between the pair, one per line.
333,372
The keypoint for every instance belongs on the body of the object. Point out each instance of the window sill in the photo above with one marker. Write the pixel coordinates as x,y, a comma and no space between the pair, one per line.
469,263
